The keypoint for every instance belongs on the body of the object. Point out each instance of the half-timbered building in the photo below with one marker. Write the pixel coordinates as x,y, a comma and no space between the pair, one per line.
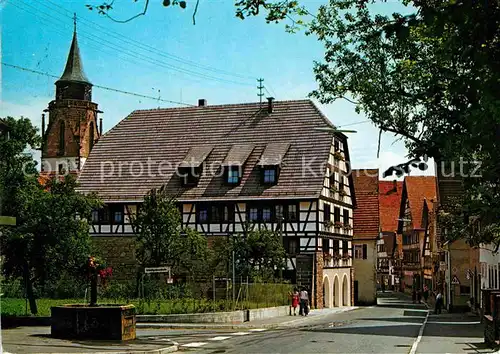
234,168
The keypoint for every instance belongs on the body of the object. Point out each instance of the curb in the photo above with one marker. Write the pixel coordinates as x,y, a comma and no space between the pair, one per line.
171,349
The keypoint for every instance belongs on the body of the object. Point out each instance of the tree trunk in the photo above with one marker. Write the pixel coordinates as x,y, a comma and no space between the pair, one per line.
93,290
29,291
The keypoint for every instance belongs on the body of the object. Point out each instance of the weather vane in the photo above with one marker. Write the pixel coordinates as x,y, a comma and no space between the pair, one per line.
74,21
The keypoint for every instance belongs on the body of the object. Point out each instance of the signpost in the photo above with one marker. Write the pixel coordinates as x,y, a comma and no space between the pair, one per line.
153,270
455,280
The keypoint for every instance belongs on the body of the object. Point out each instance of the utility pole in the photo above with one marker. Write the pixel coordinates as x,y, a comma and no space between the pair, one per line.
260,87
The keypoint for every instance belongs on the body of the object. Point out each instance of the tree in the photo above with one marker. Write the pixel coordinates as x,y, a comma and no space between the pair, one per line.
161,239
51,233
258,255
431,76
274,11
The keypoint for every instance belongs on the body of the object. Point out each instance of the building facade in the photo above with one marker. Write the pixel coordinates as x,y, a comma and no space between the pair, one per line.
417,231
366,234
232,169
389,257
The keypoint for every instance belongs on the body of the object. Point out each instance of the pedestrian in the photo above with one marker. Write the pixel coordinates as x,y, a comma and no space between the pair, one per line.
414,295
419,296
426,293
304,302
295,301
439,303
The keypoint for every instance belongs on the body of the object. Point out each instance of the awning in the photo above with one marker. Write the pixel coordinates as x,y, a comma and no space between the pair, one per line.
196,156
238,155
273,154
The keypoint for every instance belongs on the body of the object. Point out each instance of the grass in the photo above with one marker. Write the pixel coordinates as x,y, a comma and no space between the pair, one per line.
17,307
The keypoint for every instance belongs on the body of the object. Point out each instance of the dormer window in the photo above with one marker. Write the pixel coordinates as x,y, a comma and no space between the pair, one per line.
191,167
271,160
233,175
234,162
269,175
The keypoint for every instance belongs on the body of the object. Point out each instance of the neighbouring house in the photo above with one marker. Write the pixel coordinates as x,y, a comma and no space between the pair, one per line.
418,196
232,168
388,254
366,232
463,269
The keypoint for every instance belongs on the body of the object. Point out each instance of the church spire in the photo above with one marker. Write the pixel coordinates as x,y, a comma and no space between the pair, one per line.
73,72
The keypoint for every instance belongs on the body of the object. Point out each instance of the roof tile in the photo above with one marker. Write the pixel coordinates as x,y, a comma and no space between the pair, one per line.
366,215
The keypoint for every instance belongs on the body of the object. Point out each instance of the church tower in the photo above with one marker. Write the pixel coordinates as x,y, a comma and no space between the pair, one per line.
72,130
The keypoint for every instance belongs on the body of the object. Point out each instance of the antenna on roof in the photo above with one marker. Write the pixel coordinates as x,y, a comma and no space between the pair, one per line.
260,87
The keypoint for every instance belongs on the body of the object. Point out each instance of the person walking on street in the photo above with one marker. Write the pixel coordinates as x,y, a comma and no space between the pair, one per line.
295,302
304,302
439,303
419,296
426,293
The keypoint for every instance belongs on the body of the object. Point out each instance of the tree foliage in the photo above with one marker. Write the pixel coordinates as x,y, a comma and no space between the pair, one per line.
430,76
51,233
258,255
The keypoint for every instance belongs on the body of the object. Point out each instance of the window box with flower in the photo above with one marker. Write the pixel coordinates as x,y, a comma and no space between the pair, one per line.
337,155
328,223
327,257
342,193
346,256
347,227
338,224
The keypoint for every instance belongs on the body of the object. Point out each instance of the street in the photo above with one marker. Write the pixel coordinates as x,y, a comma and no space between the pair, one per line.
394,326
391,328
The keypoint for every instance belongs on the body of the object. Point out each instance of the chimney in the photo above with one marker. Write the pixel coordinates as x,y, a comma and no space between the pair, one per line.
202,102
270,104
100,126
395,185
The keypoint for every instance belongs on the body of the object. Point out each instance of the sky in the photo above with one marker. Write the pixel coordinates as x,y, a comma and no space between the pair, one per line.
163,55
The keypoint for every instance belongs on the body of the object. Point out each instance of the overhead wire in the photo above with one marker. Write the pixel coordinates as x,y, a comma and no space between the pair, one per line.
128,52
58,8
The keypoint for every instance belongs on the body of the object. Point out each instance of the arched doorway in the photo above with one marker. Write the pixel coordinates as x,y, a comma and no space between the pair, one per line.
327,296
345,291
336,292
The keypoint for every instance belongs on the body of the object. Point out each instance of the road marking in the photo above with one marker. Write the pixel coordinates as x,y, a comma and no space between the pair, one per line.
419,338
240,333
194,344
456,323
219,338
257,330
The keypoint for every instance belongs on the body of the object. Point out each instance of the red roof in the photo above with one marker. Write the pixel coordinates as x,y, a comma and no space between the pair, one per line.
418,189
390,193
366,215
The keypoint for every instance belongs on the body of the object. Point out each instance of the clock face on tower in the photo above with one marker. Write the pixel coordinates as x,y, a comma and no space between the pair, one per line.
88,93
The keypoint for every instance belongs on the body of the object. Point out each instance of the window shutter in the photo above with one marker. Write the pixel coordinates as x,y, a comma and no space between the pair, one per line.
365,252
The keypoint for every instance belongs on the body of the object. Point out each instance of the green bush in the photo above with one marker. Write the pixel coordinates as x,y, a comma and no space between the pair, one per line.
12,287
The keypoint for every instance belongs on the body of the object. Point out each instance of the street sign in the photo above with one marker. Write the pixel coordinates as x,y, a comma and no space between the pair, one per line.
455,280
442,266
157,270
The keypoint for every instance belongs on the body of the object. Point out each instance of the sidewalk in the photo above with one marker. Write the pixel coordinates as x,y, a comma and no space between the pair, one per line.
38,340
273,322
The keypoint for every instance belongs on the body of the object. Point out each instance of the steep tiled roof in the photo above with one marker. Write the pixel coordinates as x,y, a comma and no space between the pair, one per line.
419,188
390,193
366,215
165,136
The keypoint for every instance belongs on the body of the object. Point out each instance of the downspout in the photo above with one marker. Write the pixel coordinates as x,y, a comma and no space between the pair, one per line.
313,287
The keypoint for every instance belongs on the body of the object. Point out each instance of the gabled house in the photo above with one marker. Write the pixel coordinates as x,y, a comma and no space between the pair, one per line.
419,192
389,251
233,168
366,233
